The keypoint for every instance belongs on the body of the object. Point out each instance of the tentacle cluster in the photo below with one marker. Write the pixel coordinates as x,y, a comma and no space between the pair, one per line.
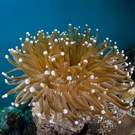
70,73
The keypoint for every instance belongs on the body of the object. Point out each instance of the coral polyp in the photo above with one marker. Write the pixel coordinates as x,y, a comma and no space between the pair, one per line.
71,76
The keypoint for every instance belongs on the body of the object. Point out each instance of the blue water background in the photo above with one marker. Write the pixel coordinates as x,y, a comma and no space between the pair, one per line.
114,18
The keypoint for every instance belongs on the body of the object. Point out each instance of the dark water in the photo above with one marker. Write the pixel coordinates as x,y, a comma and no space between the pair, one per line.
114,18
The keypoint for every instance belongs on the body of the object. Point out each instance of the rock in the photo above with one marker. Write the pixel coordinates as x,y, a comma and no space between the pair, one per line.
17,121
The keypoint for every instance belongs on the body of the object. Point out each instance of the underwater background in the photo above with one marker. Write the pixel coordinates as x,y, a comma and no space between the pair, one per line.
114,18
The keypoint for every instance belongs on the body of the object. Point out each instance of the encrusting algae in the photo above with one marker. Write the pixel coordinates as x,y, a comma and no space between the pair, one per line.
71,77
